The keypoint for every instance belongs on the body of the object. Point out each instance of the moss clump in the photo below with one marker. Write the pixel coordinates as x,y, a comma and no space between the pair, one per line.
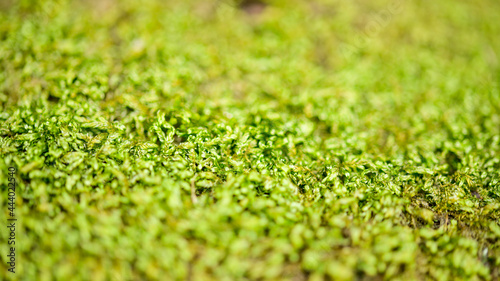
194,140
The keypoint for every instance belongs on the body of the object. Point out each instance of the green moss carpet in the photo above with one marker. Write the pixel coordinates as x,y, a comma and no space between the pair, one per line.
215,140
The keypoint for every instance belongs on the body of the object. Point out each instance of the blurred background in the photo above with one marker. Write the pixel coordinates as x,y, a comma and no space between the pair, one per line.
341,64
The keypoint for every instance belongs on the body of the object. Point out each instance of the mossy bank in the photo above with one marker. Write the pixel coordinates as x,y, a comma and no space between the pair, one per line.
286,140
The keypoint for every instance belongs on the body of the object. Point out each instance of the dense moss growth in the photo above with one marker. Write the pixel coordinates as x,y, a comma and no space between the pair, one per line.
296,140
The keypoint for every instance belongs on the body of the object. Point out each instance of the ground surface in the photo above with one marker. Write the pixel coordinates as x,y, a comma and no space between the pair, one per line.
214,141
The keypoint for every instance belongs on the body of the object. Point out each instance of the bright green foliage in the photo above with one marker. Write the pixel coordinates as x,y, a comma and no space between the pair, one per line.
194,140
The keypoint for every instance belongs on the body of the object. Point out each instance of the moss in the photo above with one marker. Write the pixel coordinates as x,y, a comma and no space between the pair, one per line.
232,140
